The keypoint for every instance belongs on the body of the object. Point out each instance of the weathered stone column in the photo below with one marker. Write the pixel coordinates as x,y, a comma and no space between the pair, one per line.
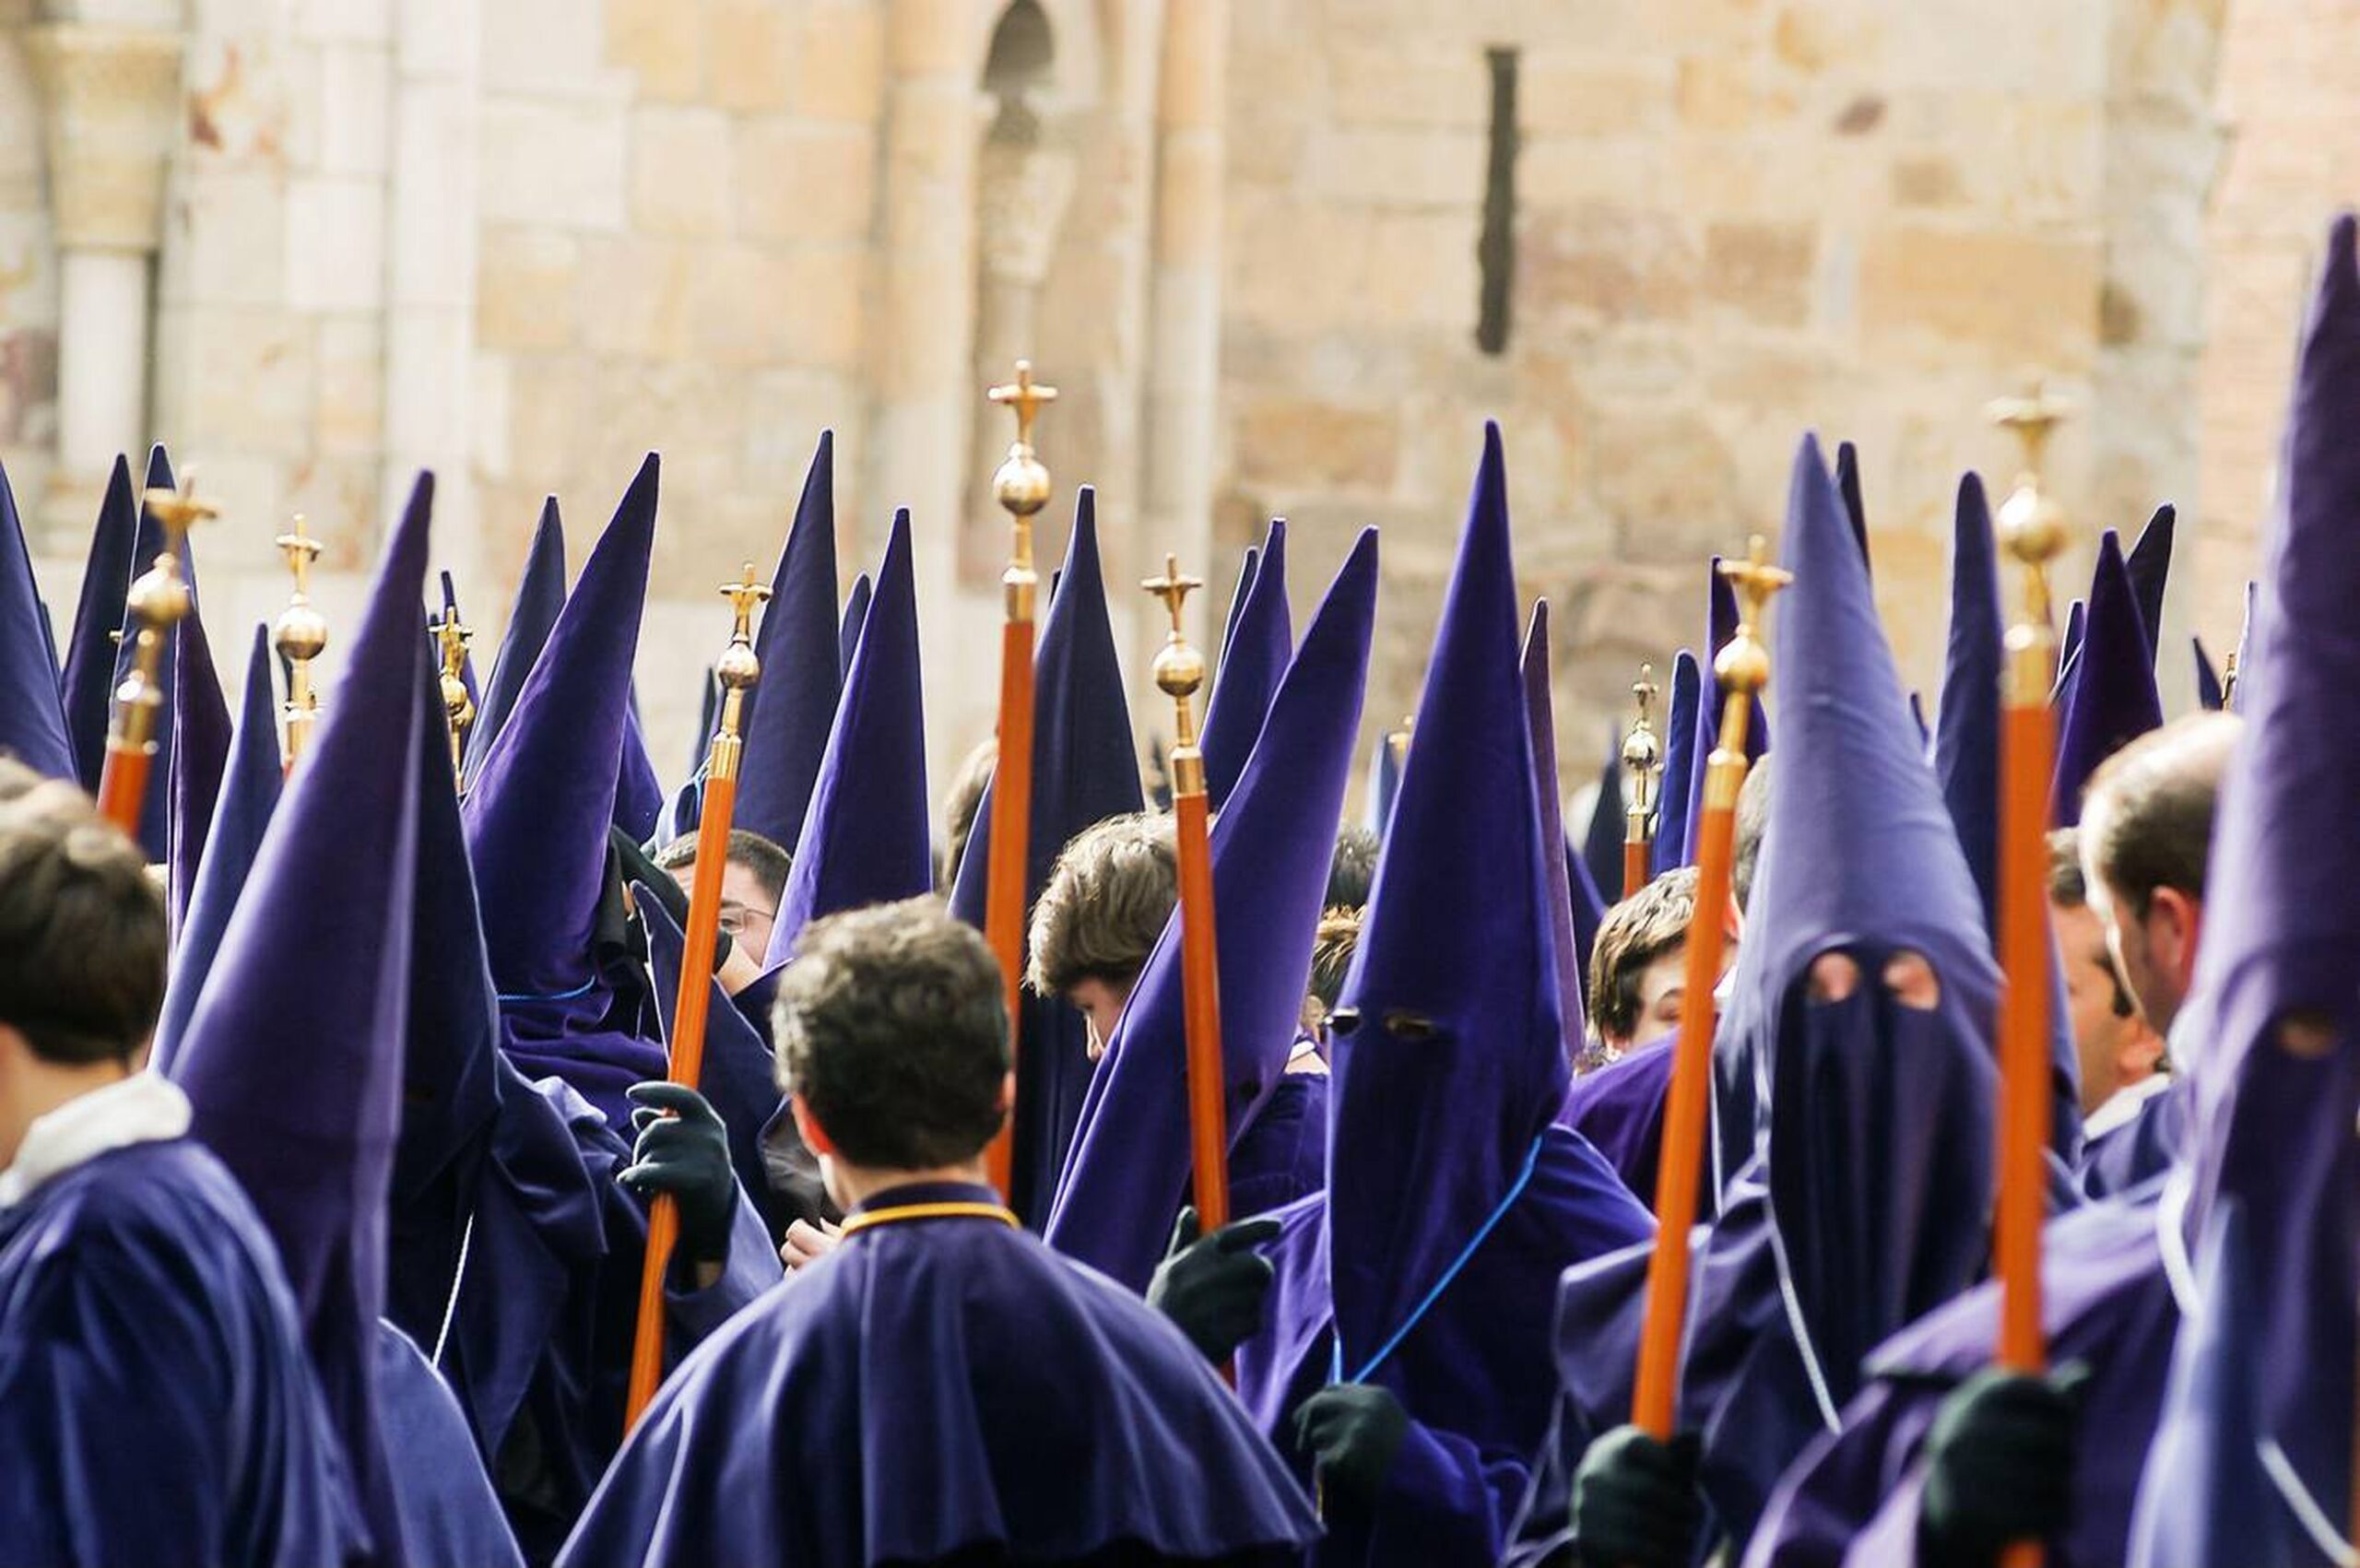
111,98
1183,333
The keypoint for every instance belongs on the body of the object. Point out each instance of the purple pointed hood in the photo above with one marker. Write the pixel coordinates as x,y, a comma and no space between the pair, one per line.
537,817
1609,823
1261,640
1449,1056
250,789
866,838
855,617
89,680
1682,765
1966,724
2150,565
1847,484
2111,696
2209,696
540,595
32,720
2242,657
1084,771
639,794
200,752
292,1058
790,711
2278,1081
1384,776
1875,1118
1271,848
1540,714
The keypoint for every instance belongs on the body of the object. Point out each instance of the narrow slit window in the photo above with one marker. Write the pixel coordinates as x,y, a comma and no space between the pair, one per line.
1495,251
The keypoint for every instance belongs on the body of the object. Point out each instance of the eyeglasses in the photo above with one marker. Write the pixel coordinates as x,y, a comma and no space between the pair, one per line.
734,917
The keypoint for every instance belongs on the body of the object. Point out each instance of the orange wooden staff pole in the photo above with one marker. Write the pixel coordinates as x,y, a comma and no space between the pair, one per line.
1200,979
737,671
1742,669
1022,487
2032,528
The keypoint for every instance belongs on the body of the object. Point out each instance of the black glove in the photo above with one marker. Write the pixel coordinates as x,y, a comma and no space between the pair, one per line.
1999,1466
686,1154
1636,1501
1213,1288
635,865
1353,1432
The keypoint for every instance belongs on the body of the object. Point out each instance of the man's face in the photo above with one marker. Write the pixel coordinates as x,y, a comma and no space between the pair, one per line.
2154,953
2112,1041
747,911
1101,1007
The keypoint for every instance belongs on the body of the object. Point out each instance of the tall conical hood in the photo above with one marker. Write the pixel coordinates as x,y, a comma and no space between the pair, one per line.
1084,771
1609,823
1450,1053
32,721
2243,658
1540,714
2150,565
1720,627
2069,653
2278,1081
1247,568
1847,484
855,617
1271,848
1877,1116
540,595
2208,696
2205,1496
88,688
2112,699
292,1059
200,752
537,817
866,838
639,794
1384,776
1261,640
1966,724
249,790
1680,765
786,722
155,817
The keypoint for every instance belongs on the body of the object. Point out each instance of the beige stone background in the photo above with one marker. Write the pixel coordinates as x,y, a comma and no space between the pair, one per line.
316,244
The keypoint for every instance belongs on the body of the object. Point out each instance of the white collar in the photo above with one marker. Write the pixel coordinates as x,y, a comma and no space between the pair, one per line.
2121,1108
143,1108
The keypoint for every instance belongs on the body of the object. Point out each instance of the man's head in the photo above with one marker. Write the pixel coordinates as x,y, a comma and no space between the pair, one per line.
751,884
892,1038
1636,965
2114,1044
959,804
82,944
1108,899
2147,839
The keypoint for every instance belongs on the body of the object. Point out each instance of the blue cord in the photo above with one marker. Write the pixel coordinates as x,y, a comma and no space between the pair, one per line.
1515,1190
505,997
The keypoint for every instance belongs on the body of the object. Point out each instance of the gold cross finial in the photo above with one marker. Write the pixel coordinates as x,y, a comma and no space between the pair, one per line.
1172,589
177,510
1179,669
301,550
1754,578
1643,691
744,595
1743,666
1026,396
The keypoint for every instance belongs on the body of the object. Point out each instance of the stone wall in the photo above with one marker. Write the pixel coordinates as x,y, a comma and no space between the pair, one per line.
522,241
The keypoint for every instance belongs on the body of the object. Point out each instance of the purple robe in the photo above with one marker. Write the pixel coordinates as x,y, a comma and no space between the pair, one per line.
1281,1154
943,1389
1620,1109
156,1404
448,1510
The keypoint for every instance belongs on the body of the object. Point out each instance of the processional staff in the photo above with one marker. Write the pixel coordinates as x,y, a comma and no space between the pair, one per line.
300,635
1742,669
159,600
737,672
2031,526
450,637
1642,768
1022,487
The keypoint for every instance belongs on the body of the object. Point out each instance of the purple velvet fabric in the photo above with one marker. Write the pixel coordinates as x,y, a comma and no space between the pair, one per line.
792,707
1253,658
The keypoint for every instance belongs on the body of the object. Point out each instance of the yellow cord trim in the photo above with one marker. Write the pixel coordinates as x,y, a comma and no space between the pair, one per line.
930,1211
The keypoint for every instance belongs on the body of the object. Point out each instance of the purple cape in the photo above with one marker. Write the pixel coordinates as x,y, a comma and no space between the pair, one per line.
156,1404
937,1387
447,1510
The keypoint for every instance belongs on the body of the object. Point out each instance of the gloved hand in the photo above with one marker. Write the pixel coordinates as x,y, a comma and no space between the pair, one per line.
636,865
1635,1502
1213,1287
686,1154
1999,1466
1353,1432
